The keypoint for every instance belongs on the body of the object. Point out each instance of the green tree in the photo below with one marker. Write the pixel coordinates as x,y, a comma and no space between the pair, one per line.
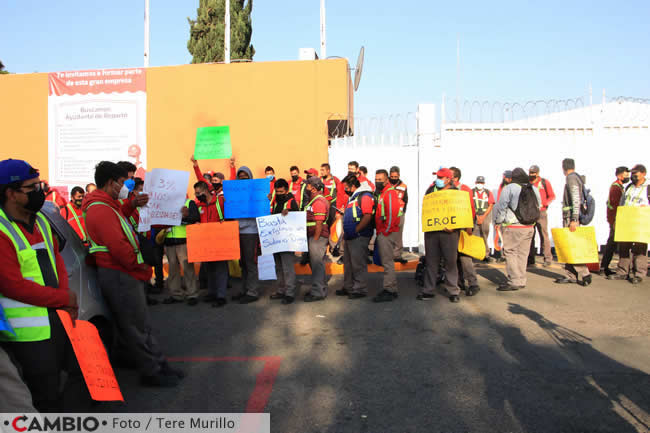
2,68
207,31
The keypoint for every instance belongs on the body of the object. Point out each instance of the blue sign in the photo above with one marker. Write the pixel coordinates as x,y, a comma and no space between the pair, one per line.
246,198
4,323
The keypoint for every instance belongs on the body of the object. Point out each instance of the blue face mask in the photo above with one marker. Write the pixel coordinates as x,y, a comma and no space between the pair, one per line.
440,183
270,176
130,184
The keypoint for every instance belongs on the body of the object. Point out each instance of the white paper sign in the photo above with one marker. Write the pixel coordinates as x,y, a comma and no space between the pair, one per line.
283,233
266,268
167,190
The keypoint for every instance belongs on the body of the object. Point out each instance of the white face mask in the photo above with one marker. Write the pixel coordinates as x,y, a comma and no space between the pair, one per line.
480,186
124,192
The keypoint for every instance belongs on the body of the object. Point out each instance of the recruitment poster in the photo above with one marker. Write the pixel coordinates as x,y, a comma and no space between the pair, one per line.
95,115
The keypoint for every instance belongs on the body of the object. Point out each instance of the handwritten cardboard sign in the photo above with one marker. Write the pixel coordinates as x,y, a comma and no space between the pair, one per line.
577,247
213,242
4,322
246,198
266,268
632,224
449,209
167,190
283,233
470,245
93,359
213,142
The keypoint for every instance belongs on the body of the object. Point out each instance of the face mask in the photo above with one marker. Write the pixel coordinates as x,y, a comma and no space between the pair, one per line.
394,181
35,200
294,178
480,186
124,192
532,179
379,186
130,184
440,183
352,173
626,179
78,202
202,198
348,192
270,176
635,178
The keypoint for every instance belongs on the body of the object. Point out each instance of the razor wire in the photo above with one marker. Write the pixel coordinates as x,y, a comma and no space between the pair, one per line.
387,129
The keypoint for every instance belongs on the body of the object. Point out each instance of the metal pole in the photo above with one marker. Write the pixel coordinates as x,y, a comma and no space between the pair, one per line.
323,33
457,78
226,39
146,33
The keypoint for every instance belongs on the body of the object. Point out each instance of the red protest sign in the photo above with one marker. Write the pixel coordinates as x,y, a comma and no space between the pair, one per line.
93,359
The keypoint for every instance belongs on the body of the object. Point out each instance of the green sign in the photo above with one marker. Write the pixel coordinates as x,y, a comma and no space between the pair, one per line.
213,142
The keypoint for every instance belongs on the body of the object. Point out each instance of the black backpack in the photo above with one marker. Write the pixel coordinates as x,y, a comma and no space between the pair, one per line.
527,211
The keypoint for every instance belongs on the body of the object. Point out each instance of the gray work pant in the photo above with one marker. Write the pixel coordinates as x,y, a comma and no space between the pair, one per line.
355,265
177,257
286,273
15,394
516,246
542,228
399,246
467,271
572,272
638,260
386,245
483,230
125,297
317,251
248,249
217,275
438,245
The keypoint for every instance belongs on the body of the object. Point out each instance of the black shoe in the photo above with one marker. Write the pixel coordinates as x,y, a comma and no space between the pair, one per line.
509,288
277,295
304,260
171,300
168,370
220,302
209,298
159,380
384,296
400,260
585,281
617,277
609,272
454,298
425,296
151,301
636,280
564,280
342,292
311,298
356,295
287,300
248,299
192,302
238,296
488,260
472,290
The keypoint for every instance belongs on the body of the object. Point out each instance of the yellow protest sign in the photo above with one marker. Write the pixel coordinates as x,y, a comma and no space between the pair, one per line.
470,245
449,209
632,224
577,247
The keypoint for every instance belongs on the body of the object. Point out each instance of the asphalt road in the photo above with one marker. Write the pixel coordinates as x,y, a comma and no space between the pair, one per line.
546,359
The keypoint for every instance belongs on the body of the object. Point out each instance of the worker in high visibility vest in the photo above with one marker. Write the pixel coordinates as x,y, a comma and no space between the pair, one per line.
403,195
317,238
121,274
387,221
73,214
483,203
34,285
297,187
615,193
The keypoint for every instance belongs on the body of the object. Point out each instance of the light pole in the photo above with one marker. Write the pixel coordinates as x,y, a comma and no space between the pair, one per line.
323,34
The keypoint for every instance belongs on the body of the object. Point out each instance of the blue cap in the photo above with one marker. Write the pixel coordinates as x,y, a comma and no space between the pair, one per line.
15,170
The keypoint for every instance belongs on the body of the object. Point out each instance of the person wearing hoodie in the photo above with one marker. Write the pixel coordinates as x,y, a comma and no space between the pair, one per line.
121,274
249,242
516,236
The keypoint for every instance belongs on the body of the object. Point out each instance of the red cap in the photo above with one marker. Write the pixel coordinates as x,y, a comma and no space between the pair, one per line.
444,172
312,171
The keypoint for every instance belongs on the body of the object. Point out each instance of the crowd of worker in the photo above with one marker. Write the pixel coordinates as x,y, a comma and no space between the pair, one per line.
352,218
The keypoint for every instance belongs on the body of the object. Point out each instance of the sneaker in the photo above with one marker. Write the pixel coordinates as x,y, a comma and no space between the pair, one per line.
192,302
564,280
356,295
636,280
287,300
425,296
342,292
220,302
585,281
277,295
247,299
472,290
159,380
311,298
384,296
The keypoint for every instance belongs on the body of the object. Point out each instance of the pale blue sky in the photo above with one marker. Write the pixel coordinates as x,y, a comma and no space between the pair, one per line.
510,50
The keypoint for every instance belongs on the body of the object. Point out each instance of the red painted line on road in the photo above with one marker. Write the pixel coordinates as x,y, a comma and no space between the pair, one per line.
263,383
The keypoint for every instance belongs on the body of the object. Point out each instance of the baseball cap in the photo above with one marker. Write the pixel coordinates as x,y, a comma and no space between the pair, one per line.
444,172
315,181
638,168
533,169
16,170
508,174
219,175
312,171
621,169
480,179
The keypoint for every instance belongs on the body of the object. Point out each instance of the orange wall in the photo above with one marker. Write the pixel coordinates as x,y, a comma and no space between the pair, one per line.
277,113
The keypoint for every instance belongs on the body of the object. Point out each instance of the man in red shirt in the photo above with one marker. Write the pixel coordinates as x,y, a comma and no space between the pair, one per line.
363,177
53,195
73,214
387,221
297,187
614,200
317,236
466,269
33,285
547,195
121,273
402,193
